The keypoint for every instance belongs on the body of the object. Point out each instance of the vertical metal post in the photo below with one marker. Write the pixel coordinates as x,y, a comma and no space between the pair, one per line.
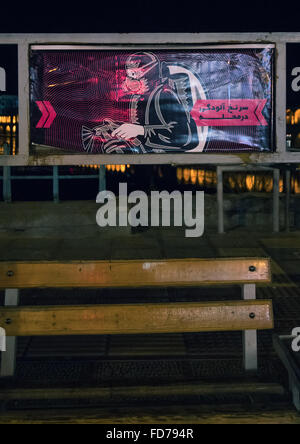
8,358
250,336
276,201
6,178
220,201
23,97
102,178
287,199
55,184
280,102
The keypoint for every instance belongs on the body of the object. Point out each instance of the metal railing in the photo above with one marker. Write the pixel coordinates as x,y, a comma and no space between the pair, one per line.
7,179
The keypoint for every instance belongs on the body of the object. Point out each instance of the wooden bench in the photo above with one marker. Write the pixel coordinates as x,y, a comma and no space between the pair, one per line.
247,315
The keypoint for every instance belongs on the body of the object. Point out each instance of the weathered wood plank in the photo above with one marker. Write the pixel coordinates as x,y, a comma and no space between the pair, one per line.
137,318
108,393
137,273
231,414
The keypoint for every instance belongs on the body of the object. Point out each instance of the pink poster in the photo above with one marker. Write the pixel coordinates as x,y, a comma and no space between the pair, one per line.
140,102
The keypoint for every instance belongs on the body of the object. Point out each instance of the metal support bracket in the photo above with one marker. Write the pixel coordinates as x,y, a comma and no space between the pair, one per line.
291,361
250,336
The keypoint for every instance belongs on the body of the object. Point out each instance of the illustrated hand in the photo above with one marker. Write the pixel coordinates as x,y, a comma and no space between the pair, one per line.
128,131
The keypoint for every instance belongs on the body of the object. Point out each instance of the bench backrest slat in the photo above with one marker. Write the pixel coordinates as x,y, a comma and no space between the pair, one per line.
137,273
137,318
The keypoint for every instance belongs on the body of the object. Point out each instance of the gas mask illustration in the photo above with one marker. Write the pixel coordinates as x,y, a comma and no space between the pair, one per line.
138,67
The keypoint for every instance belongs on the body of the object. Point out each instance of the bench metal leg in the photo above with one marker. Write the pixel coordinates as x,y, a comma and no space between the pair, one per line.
294,388
283,346
8,358
250,336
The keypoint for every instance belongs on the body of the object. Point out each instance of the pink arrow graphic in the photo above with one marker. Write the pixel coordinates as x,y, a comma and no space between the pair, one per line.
44,112
48,114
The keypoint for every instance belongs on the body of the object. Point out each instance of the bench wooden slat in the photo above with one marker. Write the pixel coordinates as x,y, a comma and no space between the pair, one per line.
142,391
137,273
137,318
183,414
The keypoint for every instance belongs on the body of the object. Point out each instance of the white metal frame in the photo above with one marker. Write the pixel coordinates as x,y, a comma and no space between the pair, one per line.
121,41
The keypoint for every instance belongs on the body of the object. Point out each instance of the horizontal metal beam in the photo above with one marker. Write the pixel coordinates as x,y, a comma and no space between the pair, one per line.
136,273
137,318
148,38
244,168
267,159
87,176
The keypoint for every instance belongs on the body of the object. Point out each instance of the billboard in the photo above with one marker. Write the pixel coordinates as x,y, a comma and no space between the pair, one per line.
120,101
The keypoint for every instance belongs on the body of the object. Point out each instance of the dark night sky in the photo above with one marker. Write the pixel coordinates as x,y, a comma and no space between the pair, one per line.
147,16
150,16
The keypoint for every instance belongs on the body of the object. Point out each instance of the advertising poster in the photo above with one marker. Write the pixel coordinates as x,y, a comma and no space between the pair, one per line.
164,101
